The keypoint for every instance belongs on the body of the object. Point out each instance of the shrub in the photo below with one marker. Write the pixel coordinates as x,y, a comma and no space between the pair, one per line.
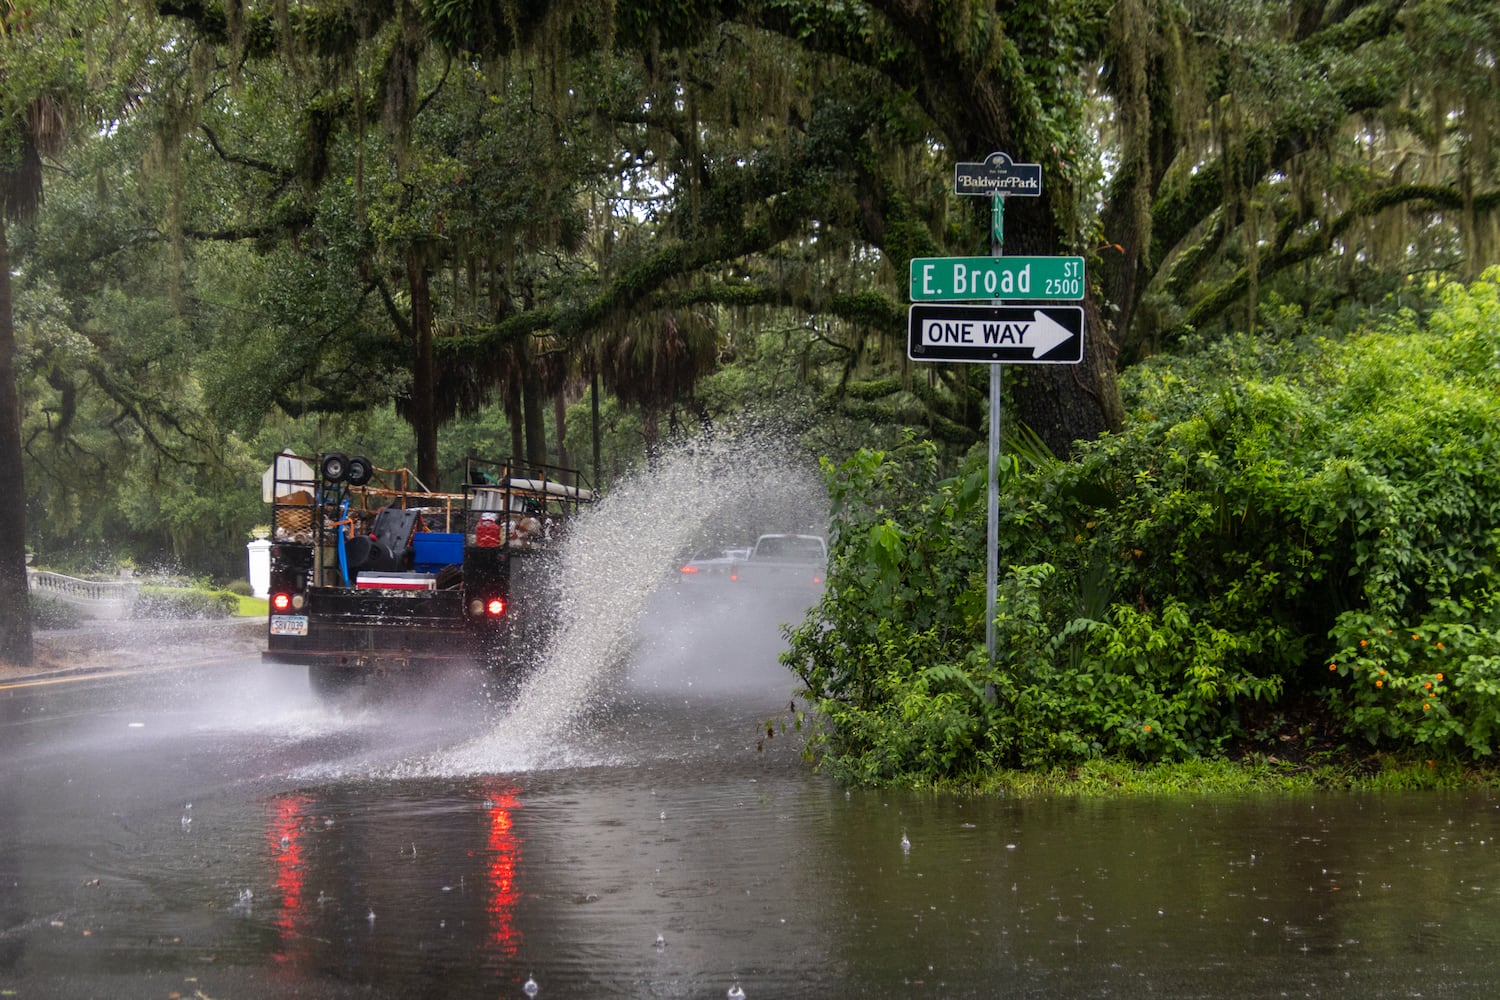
1319,519
182,602
50,613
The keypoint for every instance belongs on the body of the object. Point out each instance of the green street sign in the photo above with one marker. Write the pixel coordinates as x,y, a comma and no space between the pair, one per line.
936,279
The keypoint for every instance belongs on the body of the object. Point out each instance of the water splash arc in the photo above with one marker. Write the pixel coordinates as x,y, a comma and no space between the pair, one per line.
616,555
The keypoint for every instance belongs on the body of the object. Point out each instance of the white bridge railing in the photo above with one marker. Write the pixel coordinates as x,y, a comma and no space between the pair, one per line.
95,598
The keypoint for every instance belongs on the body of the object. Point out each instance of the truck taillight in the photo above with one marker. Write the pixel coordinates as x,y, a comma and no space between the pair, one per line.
282,601
489,607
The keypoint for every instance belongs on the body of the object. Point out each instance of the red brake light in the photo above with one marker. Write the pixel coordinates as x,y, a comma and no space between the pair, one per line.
690,569
494,607
281,601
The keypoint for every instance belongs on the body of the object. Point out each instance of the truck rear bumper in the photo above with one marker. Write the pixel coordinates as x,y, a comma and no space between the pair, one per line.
374,663
369,647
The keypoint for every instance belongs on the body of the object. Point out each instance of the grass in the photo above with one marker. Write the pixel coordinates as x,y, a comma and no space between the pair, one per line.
252,607
1252,774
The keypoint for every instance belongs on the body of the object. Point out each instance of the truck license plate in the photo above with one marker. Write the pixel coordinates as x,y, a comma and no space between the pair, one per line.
288,624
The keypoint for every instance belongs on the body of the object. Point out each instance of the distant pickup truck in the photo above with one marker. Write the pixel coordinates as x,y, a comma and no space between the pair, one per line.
796,562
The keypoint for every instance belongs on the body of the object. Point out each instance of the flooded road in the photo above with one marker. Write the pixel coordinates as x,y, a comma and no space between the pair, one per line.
216,832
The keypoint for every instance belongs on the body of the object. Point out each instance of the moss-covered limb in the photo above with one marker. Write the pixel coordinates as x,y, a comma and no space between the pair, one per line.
146,410
893,413
871,309
280,176
1354,25
1187,266
877,388
1175,214
733,295
326,30
938,412
669,262
1235,288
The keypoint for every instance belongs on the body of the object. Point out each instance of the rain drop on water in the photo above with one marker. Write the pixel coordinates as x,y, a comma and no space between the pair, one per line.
905,843
735,993
661,942
530,988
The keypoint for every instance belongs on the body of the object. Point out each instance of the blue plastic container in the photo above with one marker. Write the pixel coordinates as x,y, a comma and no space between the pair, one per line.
436,549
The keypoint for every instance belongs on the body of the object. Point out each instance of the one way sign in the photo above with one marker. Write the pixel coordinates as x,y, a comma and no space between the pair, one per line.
1038,335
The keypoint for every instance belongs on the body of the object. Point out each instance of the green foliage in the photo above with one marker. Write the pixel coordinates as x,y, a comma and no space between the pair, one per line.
184,602
50,613
1275,522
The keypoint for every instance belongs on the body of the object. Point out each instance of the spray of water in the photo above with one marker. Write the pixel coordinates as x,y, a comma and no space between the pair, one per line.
717,492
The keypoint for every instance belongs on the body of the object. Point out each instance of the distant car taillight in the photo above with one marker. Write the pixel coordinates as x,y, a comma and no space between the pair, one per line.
689,569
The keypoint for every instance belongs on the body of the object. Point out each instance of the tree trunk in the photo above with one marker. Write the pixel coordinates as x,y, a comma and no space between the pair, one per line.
513,417
1063,404
594,415
560,417
15,602
423,374
532,410
651,434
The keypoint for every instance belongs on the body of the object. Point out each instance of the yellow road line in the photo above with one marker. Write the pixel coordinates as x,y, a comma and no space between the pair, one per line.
67,678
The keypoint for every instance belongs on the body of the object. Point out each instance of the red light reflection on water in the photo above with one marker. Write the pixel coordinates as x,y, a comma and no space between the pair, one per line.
502,861
284,839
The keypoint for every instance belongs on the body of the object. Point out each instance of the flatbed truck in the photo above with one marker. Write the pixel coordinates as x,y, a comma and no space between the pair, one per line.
375,578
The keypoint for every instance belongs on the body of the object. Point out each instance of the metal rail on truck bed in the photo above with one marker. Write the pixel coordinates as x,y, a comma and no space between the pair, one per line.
372,574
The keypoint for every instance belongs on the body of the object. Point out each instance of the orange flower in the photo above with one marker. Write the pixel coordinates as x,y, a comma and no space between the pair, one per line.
1363,643
1333,666
1426,708
1148,727
1380,684
1427,686
1439,676
1439,645
1415,636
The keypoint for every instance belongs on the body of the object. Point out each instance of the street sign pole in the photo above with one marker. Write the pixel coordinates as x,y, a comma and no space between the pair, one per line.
992,549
